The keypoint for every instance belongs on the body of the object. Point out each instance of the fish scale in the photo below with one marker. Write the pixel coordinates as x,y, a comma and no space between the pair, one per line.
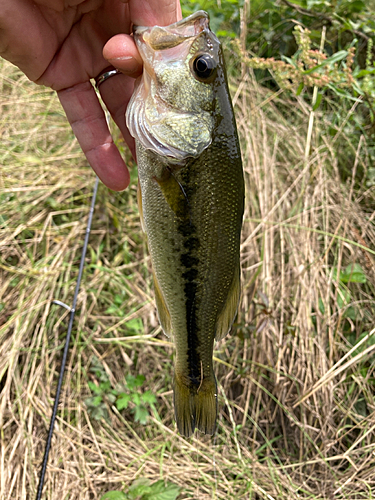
191,202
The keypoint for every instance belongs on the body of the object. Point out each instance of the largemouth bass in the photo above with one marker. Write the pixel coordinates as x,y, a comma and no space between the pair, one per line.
191,199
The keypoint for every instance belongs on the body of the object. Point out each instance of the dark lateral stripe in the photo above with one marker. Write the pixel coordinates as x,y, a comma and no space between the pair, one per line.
190,264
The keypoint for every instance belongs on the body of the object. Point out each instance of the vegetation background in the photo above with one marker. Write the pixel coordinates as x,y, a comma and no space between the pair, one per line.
296,375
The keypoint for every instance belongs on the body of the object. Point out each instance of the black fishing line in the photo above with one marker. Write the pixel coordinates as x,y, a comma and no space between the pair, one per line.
67,341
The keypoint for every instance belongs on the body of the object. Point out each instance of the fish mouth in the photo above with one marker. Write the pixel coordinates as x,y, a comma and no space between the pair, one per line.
173,132
167,37
158,43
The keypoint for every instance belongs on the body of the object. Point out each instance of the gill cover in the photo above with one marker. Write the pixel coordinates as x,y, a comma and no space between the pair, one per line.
171,110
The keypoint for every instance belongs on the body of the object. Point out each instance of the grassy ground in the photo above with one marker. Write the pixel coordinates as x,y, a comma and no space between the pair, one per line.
297,412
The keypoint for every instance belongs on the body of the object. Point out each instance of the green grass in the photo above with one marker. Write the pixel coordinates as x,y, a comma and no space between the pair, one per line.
297,415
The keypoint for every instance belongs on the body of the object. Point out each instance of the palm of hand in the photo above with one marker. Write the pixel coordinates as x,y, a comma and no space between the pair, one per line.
59,43
66,38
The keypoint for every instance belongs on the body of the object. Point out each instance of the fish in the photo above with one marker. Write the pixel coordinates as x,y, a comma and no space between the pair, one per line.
191,201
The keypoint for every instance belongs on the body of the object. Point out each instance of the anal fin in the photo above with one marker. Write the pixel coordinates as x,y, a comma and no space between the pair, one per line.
226,317
163,313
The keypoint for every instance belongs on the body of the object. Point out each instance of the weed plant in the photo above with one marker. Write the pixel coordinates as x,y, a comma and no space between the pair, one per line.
296,375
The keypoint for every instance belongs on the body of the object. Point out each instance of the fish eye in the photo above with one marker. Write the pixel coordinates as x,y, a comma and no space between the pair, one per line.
204,67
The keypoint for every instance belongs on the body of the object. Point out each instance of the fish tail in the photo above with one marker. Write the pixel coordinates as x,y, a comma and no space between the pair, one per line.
195,406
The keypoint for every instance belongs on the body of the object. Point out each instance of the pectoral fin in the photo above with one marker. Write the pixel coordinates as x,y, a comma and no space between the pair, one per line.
227,315
163,313
174,194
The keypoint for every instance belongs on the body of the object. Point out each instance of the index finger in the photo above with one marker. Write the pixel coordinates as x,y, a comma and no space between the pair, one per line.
89,125
154,12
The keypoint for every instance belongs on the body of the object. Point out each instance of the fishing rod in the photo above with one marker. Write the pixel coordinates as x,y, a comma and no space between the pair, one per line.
67,342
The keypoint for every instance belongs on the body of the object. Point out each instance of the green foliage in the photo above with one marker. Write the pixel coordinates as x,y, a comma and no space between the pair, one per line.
114,495
102,391
224,16
270,32
353,273
308,68
143,489
141,400
282,46
121,396
116,309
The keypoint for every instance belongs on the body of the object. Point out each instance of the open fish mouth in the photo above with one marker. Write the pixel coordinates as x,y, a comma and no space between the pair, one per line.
161,38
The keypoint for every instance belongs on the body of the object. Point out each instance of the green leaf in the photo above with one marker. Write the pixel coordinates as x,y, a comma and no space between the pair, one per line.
350,313
148,397
130,382
321,305
140,414
353,273
290,61
114,495
99,413
139,380
139,488
118,299
105,386
136,398
94,401
113,310
51,202
300,88
364,72
316,4
134,382
135,325
160,491
317,102
116,221
94,388
361,408
123,401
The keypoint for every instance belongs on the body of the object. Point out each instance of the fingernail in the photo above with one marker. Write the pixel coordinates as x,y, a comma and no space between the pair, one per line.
123,58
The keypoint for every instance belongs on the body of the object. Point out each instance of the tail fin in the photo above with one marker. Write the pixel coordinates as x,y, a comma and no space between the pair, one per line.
195,407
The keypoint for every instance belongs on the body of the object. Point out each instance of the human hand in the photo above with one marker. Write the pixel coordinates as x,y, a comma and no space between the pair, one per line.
59,44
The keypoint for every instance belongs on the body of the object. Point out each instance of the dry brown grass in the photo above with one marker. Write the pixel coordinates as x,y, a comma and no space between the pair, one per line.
297,416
